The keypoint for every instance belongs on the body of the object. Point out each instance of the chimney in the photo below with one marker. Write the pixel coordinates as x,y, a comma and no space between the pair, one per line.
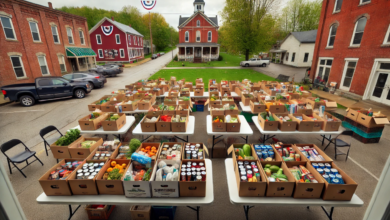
112,18
50,5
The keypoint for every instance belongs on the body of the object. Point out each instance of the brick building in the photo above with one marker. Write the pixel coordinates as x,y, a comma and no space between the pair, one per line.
198,36
114,41
353,48
40,41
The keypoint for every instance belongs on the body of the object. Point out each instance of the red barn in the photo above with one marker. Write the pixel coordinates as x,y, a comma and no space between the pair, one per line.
198,36
114,41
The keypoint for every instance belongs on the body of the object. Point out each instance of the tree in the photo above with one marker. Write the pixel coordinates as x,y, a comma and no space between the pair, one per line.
243,25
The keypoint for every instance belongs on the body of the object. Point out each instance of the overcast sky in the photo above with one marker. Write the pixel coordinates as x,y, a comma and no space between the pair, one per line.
170,9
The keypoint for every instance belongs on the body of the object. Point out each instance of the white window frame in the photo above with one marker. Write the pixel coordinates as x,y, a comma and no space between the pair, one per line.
385,42
63,60
97,42
39,35
44,59
135,42
58,36
129,39
363,3
211,36
196,36
198,23
99,53
354,32
21,63
330,32
116,39
12,26
347,60
71,33
120,53
318,65
374,70
334,9
185,36
308,55
138,41
82,32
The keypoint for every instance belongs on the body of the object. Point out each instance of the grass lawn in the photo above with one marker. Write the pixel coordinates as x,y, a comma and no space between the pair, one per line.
228,60
219,74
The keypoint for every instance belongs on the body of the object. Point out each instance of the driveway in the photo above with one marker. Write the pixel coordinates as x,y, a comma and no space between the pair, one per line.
274,70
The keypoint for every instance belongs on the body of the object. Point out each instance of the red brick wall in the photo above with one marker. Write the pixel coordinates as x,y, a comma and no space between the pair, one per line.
204,28
377,13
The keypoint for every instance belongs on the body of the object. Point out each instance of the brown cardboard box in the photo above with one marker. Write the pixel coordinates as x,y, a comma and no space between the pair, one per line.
251,189
148,126
294,95
233,127
352,113
216,102
99,213
276,108
311,101
56,187
329,125
213,93
257,108
183,110
280,189
318,124
170,144
340,192
268,125
218,126
235,155
130,107
217,110
285,125
306,124
170,100
110,187
109,106
87,125
164,188
145,104
156,145
199,85
163,126
246,98
305,111
114,153
313,146
179,126
202,146
227,100
93,106
154,113
378,120
114,125
289,147
61,152
174,93
140,214
306,94
83,186
185,93
76,151
307,190
238,90
330,106
192,188
299,102
169,112
199,91
233,111
199,80
185,102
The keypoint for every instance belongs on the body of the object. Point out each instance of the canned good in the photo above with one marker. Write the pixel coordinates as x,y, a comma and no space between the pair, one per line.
189,164
183,176
198,169
265,154
249,174
79,171
334,171
335,181
199,178
184,169
80,176
297,157
203,169
201,164
320,171
93,174
248,167
203,175
91,177
108,155
340,178
194,164
85,170
246,163
244,179
326,177
97,170
193,176
321,165
331,176
198,173
253,163
90,165
183,166
87,174
271,154
101,164
193,169
255,170
315,165
188,155
328,166
194,156
243,173
240,163
200,155
327,171
188,176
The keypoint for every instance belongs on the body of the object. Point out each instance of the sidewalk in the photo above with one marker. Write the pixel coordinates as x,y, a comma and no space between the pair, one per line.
2,101
224,67
137,63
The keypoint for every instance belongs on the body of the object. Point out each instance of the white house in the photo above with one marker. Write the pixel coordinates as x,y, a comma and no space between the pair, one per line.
296,49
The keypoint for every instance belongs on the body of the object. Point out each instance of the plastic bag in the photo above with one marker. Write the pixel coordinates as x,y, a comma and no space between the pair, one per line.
169,177
159,175
228,118
175,176
162,164
141,158
168,169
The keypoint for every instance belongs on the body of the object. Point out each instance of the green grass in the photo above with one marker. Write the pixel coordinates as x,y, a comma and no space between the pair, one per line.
341,106
228,60
219,74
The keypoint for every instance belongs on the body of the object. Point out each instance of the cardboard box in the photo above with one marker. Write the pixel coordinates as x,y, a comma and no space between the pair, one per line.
305,111
170,145
237,89
199,91
280,189
109,106
340,192
294,95
289,147
114,125
145,104
306,94
268,125
277,155
185,102
183,110
61,152
185,93
261,107
93,106
153,113
215,102
313,146
230,150
76,151
227,100
103,213
170,100
169,112
275,107
232,111
311,101
285,125
378,120
163,126
56,187
140,214
251,189
137,189
192,188
144,145
329,125
87,125
83,186
130,107
306,124
164,189
218,126
307,190
352,113
233,127
199,80
217,110
148,126
179,126
318,124
330,106
110,187
202,146
246,98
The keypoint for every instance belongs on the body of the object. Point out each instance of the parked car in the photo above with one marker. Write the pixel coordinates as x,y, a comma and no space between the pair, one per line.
94,80
115,63
45,88
162,53
114,66
254,62
154,56
105,71
158,55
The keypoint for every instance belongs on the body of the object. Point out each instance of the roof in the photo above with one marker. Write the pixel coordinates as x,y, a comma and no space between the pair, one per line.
198,1
79,52
212,20
305,36
197,45
277,51
122,27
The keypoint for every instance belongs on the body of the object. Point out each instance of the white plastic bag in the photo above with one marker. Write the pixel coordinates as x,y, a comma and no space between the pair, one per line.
228,118
175,176
159,175
168,169
162,164
169,177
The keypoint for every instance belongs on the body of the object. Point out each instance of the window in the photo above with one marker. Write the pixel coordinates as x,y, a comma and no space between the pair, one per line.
43,65
197,36
70,35
387,36
349,70
61,60
199,7
142,42
364,1
54,31
332,35
209,36
187,36
306,57
293,57
135,42
337,5
358,32
81,33
8,28
198,23
118,39
323,71
45,82
68,76
122,52
287,56
98,39
18,66
100,51
129,39
34,31
138,41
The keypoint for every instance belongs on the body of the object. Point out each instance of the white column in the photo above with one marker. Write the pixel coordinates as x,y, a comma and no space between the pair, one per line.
185,53
201,54
210,53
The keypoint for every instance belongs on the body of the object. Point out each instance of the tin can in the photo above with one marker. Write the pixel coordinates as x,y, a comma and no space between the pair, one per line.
320,171
265,154
188,155
183,169
242,172
198,169
183,166
203,175
189,164
255,170
95,165
248,167
244,179
326,177
253,163
101,164
80,176
271,154
334,171
91,177
280,152
97,170
328,166
79,171
249,174
331,176
340,178
193,169
199,178
194,164
193,176
321,165
259,154
246,163
91,170
93,174
240,163
200,155
326,171
198,173
203,168
335,181
87,174
194,156
183,176
201,164
85,170
315,165
189,176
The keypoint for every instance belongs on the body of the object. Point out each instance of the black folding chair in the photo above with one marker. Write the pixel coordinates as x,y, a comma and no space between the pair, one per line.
49,141
20,157
340,143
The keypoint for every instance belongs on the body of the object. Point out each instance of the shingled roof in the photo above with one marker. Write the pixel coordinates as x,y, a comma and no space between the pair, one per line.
122,27
306,36
183,20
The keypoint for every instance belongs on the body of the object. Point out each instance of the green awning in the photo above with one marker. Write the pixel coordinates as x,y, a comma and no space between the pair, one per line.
79,52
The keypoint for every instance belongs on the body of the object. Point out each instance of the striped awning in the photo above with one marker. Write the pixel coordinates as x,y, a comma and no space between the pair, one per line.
79,52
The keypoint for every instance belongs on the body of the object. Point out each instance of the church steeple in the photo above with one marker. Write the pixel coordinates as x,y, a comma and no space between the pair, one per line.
199,6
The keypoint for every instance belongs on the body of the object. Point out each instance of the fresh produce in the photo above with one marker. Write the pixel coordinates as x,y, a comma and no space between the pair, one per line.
115,171
68,138
266,116
218,119
177,118
133,146
275,173
113,117
152,119
184,98
247,150
302,174
213,97
87,144
102,101
149,152
166,118
94,116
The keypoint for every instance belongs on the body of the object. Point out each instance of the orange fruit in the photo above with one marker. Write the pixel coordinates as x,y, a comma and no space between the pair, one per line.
123,165
113,163
109,170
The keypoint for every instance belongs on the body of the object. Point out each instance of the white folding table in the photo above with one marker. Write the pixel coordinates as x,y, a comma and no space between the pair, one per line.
245,108
267,134
189,132
245,130
122,200
129,122
249,202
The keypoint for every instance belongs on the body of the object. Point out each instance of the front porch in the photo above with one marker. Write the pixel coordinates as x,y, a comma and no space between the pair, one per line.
277,55
198,54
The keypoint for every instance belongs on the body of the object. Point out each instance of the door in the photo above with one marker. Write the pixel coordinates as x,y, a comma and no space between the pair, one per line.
61,88
381,90
45,88
197,51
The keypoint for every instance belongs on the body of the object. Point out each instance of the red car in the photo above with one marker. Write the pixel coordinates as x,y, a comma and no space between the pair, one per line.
158,54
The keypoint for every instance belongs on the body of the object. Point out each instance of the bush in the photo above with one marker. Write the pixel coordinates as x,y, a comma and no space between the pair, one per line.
220,58
175,59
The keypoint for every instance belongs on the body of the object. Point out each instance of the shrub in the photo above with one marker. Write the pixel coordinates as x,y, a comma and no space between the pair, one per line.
175,59
220,58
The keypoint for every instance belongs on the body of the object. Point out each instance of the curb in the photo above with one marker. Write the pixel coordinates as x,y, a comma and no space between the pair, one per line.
138,63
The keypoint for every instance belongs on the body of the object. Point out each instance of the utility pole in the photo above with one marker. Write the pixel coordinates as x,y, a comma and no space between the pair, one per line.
151,39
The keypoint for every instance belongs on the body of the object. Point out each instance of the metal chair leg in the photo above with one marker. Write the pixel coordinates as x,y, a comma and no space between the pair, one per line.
38,160
19,170
9,166
335,151
346,158
323,139
47,154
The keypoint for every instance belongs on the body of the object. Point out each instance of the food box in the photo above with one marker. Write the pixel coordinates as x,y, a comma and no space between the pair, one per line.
234,149
233,126
83,186
145,104
318,123
378,120
61,152
199,91
77,151
163,126
309,190
317,149
311,101
148,126
163,151
114,125
246,98
233,110
173,93
329,125
185,93
137,189
185,100
227,100
170,100
305,111
306,124
170,112
267,125
330,106
179,126
250,189
217,110
218,126
91,125
109,106
93,106
280,189
99,213
199,80
187,151
340,192
140,212
164,189
111,187
237,89
294,95
114,152
263,151
257,108
285,149
129,107
147,148
285,125
56,187
183,110
352,113
276,108
192,188
154,113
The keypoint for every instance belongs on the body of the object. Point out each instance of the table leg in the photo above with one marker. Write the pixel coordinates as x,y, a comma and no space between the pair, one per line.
246,139
246,209
328,214
146,138
72,213
196,210
212,148
185,140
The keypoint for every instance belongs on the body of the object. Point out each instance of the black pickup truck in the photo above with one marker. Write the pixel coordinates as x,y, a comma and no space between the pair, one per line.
45,88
